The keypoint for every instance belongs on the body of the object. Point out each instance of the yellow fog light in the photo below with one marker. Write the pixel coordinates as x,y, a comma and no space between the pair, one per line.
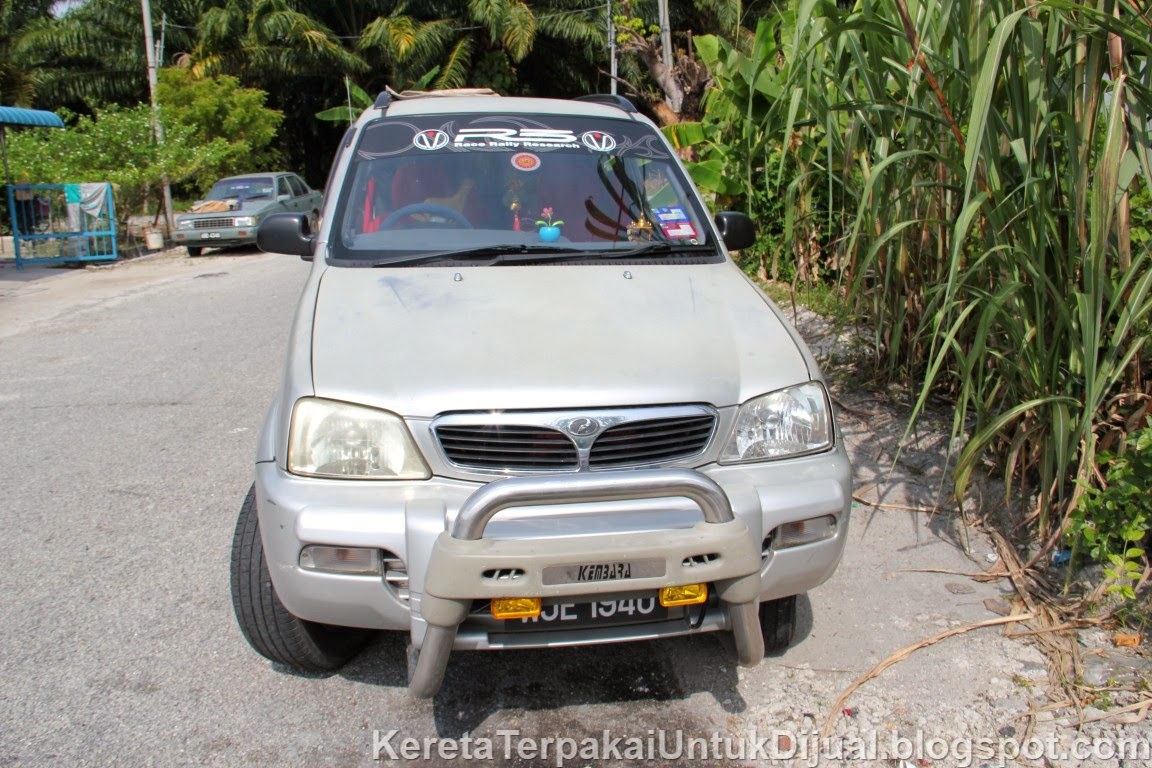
689,594
516,607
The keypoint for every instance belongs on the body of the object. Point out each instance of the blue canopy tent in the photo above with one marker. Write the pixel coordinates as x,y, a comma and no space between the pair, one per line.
21,116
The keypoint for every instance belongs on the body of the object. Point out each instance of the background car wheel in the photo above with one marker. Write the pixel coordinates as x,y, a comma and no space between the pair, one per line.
194,250
267,625
778,623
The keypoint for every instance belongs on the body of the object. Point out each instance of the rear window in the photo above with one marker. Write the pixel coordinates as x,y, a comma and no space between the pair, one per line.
443,182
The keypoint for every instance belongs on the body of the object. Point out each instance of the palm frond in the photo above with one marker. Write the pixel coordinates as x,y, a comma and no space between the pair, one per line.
454,71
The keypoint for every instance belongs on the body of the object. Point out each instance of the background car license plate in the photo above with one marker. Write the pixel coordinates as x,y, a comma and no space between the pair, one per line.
603,613
209,235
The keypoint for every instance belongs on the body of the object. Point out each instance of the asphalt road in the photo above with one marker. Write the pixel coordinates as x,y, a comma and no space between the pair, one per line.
129,404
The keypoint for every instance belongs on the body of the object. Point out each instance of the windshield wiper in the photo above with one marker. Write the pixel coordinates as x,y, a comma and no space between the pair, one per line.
648,249
496,253
530,254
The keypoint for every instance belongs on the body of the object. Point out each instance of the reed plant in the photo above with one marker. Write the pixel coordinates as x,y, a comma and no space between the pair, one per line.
978,159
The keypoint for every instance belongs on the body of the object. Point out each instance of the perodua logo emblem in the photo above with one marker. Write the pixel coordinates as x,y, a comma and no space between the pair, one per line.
429,140
598,140
582,427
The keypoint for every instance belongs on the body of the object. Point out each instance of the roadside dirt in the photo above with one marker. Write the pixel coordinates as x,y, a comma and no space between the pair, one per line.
40,294
1068,694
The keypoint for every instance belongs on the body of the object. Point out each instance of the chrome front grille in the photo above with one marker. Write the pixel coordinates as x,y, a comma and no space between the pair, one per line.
569,441
507,447
651,441
212,223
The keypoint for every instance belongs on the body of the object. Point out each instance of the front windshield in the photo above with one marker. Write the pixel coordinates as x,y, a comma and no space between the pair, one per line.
247,188
453,183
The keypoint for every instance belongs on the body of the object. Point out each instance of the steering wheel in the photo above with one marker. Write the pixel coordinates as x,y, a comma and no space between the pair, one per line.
430,209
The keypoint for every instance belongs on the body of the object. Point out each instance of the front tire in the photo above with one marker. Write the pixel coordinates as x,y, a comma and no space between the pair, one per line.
778,623
194,250
267,625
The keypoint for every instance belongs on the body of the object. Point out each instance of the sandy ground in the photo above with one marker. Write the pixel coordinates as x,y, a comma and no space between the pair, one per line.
39,293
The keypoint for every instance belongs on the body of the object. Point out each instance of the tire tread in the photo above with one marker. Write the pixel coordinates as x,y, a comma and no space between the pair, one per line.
778,623
266,624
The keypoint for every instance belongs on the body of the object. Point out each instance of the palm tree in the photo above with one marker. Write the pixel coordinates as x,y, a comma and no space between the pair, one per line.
93,54
482,43
572,58
266,43
16,16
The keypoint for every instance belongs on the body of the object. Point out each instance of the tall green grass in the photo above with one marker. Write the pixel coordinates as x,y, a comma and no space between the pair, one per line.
983,153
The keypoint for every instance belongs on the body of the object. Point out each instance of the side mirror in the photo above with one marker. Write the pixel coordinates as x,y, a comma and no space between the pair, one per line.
736,229
286,233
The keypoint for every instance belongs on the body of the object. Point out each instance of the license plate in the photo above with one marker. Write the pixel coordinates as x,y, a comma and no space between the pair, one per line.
209,235
611,571
602,613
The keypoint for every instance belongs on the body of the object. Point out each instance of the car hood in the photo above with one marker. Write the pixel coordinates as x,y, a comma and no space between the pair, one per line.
244,206
422,341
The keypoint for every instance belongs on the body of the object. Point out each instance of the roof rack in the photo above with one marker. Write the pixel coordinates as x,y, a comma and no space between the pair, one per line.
387,96
612,99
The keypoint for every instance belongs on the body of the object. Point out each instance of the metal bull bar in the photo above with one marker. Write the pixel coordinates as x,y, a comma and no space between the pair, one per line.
460,556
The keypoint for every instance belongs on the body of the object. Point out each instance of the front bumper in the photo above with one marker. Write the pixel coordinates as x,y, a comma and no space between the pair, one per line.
223,237
464,566
406,519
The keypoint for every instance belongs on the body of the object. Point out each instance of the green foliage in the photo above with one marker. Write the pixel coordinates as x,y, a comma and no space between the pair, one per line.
216,111
495,70
16,17
269,41
1111,521
116,146
974,159
88,54
358,101
825,300
627,26
212,128
1141,206
740,158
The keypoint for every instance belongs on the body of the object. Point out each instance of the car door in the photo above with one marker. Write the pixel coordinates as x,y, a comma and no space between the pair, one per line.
289,200
300,192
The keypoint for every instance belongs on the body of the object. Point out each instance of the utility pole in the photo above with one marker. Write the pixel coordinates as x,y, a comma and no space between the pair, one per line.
665,35
612,48
157,129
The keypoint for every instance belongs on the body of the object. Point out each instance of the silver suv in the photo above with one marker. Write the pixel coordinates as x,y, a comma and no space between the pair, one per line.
530,401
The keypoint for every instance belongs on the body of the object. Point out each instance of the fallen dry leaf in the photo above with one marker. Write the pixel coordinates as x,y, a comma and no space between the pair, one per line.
998,606
1127,640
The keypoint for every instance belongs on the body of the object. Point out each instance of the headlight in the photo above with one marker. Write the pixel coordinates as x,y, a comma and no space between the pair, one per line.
786,423
244,221
333,439
185,223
